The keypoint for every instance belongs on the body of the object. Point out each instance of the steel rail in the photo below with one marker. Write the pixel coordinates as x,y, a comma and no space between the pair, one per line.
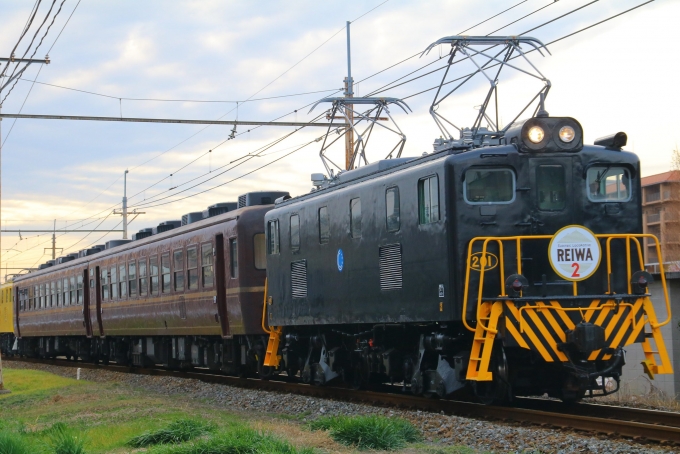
638,424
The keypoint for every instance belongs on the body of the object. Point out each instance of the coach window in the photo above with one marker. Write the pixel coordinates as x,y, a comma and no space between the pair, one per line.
355,217
80,289
324,226
428,200
153,272
178,259
142,278
207,265
132,278
486,186
34,297
552,187
114,282
58,296
273,230
92,278
192,268
53,293
165,273
42,296
73,290
104,281
259,251
233,257
295,233
66,299
392,207
608,184
122,281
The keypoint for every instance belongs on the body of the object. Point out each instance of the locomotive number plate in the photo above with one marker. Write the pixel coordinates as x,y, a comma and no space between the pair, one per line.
574,253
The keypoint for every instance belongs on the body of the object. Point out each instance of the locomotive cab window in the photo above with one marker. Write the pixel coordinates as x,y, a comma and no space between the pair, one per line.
355,217
551,187
324,226
487,186
392,209
608,184
428,200
295,233
273,232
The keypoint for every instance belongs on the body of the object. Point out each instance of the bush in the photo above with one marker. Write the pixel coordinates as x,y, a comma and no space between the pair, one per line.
63,440
369,432
177,432
13,444
239,440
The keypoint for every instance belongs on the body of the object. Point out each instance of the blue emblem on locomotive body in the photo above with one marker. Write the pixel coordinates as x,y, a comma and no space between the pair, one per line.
340,260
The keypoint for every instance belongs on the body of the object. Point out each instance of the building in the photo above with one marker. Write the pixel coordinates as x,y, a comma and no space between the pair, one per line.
661,217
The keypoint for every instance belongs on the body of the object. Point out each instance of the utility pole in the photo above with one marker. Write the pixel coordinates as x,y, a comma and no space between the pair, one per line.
124,211
349,93
54,242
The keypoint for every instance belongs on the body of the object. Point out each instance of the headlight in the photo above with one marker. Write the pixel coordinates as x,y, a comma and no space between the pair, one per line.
536,134
567,134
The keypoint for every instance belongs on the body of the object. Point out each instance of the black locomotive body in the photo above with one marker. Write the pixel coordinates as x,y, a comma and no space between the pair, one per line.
376,276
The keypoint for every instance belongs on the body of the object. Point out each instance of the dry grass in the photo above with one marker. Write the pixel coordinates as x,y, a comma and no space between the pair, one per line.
653,398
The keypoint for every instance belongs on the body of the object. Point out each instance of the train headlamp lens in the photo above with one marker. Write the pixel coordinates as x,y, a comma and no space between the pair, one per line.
536,134
567,134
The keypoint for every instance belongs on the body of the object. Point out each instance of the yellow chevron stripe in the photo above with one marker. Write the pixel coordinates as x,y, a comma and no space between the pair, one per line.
563,315
514,332
532,336
591,311
546,334
615,320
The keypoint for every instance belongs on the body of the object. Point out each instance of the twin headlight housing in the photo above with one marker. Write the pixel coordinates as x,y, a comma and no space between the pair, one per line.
547,134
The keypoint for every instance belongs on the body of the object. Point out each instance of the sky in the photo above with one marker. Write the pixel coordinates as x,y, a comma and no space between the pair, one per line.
136,59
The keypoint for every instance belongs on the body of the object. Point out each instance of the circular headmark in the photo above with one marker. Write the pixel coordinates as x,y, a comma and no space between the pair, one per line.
574,253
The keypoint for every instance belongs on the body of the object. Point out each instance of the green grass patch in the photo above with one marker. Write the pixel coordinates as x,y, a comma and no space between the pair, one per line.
11,443
369,432
63,440
176,432
23,381
235,440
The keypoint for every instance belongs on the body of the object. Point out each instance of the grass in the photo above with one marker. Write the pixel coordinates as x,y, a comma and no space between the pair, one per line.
176,432
369,432
236,440
63,440
11,443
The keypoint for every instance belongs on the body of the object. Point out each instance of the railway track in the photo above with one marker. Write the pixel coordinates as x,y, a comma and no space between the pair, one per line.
638,424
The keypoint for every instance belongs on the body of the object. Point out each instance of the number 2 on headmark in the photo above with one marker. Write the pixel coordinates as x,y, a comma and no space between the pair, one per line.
576,267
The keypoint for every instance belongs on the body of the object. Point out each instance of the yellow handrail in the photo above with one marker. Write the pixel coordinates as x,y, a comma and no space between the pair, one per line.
518,239
264,309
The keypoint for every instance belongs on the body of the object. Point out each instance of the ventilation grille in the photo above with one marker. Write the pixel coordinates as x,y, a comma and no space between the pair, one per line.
390,267
298,278
241,201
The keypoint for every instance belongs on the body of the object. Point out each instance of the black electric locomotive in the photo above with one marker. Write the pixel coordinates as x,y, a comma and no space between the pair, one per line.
377,277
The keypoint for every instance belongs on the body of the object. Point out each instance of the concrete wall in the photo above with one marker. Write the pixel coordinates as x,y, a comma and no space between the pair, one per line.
634,380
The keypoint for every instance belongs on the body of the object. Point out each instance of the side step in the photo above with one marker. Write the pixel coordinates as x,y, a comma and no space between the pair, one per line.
272,358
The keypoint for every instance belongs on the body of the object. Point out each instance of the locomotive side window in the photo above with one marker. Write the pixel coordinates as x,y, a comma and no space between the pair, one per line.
233,257
207,265
608,184
393,209
324,226
260,251
178,257
165,272
142,278
355,217
295,233
192,267
80,289
122,281
552,187
428,200
153,272
483,186
273,247
132,276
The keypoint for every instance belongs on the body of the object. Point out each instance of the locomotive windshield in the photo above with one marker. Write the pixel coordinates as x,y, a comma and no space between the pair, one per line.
551,187
489,186
608,184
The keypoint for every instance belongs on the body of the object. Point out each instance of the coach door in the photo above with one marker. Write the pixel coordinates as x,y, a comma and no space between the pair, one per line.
220,284
17,306
86,304
96,301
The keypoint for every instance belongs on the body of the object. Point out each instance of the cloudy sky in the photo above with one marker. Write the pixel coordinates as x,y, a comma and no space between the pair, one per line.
276,58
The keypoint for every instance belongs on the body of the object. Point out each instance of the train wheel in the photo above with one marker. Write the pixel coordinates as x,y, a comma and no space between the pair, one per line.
497,391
